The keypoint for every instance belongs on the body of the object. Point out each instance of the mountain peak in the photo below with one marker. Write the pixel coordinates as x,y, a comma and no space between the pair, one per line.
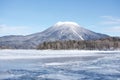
66,24
60,31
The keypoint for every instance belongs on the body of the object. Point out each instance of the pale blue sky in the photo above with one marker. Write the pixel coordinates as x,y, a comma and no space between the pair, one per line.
30,16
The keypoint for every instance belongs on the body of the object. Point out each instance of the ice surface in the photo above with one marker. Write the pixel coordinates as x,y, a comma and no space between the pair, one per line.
59,65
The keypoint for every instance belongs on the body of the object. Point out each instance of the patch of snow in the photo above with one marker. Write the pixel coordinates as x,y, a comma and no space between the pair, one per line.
32,54
77,34
67,23
58,77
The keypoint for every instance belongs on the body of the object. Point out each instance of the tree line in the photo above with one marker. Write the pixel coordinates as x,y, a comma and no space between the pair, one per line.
110,43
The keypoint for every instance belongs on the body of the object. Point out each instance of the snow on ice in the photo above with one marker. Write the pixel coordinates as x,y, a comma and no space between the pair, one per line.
59,65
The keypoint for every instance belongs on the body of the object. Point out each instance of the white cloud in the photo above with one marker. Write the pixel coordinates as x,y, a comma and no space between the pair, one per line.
13,30
113,29
110,20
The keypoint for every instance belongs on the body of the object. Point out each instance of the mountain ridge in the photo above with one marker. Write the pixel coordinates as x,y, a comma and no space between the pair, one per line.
59,31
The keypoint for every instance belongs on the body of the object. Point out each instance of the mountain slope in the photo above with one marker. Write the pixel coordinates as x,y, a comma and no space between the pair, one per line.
59,31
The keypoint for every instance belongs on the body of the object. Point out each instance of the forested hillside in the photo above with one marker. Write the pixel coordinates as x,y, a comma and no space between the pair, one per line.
111,43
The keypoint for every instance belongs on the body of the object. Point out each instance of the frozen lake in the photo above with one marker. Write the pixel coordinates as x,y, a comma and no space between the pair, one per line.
59,65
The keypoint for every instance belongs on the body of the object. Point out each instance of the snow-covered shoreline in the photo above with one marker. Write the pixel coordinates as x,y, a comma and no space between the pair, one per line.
40,54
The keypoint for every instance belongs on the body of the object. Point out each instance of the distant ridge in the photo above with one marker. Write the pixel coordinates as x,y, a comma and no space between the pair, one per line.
60,31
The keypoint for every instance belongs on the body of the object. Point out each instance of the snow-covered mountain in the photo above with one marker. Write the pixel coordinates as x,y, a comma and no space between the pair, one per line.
59,31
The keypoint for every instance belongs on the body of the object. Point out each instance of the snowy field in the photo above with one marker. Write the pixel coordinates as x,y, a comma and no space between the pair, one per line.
59,65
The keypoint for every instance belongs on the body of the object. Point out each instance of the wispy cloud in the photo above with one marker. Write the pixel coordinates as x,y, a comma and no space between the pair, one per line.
113,29
110,20
109,25
13,30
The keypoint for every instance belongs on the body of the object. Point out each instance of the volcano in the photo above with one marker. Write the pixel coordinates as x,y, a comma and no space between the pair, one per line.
60,31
